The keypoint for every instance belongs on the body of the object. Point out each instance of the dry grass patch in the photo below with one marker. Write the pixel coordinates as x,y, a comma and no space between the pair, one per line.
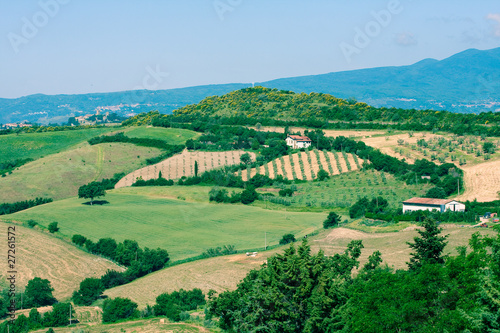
41,255
482,182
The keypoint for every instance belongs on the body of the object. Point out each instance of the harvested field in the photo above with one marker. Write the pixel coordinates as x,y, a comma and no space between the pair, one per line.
181,165
482,182
220,274
44,256
306,163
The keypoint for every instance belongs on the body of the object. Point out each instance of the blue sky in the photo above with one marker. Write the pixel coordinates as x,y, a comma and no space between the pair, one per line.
76,46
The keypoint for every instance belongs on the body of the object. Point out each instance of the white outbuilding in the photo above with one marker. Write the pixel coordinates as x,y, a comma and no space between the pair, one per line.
297,141
441,205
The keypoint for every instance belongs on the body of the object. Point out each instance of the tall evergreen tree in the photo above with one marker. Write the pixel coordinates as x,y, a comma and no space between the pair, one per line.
428,248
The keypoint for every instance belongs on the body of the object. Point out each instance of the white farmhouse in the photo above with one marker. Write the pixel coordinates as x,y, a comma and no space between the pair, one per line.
297,141
430,204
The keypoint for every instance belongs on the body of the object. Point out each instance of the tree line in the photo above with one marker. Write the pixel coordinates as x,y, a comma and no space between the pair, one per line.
10,208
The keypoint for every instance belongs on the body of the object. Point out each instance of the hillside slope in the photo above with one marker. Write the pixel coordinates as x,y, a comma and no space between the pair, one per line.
44,256
60,175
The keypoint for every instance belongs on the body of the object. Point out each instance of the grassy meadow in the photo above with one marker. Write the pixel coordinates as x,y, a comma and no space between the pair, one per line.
183,228
171,135
344,190
60,175
37,145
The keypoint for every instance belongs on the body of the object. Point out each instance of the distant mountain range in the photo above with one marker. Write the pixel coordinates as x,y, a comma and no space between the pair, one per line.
465,82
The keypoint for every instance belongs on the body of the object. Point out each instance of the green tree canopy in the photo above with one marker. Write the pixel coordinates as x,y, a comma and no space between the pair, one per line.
90,290
39,293
332,220
91,191
428,248
118,308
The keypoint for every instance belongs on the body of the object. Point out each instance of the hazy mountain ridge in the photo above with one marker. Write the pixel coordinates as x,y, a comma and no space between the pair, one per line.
465,82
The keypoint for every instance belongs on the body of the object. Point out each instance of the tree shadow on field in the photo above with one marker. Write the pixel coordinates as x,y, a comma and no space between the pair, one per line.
96,202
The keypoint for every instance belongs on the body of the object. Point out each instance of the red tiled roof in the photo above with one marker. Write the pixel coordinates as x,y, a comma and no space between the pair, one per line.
299,138
427,201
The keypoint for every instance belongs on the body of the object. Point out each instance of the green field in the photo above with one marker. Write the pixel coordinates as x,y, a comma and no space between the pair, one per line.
171,135
183,228
344,190
60,175
36,145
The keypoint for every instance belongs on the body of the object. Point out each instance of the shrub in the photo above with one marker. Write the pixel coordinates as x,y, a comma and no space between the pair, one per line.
90,290
332,220
173,304
53,227
78,240
322,175
287,238
436,192
248,196
32,223
288,192
118,308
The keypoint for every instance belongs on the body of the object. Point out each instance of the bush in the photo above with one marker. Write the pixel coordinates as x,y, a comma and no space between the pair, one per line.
332,220
32,223
39,293
322,175
287,192
78,240
248,196
90,290
287,238
118,308
59,316
173,304
436,192
53,227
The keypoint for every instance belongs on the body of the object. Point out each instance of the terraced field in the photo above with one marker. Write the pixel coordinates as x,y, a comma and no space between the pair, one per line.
182,165
305,165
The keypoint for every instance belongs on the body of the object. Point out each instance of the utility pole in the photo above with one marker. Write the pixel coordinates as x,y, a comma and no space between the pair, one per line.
70,313
265,240
458,186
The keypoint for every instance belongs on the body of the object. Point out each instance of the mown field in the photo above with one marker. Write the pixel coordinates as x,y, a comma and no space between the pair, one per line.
60,175
39,254
224,273
36,145
183,228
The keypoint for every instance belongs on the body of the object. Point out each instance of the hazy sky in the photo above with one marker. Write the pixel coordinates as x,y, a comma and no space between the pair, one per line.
81,46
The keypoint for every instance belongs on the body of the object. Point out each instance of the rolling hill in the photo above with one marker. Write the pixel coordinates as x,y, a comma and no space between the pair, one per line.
464,82
42,255
185,229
